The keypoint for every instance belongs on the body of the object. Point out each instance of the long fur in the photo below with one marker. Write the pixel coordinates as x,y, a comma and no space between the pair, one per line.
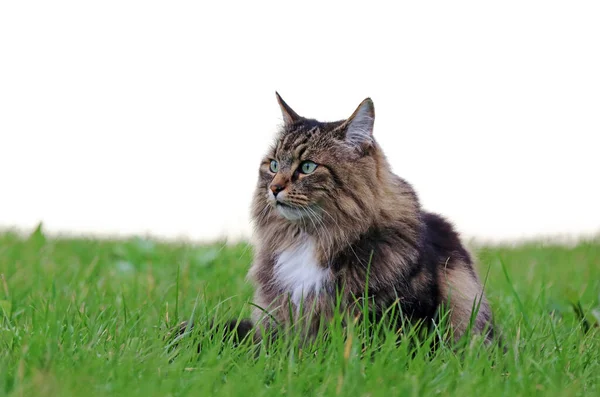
325,230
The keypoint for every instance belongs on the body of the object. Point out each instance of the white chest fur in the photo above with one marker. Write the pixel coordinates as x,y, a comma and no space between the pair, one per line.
298,270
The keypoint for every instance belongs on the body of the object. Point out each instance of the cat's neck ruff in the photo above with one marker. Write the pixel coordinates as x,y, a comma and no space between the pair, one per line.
298,270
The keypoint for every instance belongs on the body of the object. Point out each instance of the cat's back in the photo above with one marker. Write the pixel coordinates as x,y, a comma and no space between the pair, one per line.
442,240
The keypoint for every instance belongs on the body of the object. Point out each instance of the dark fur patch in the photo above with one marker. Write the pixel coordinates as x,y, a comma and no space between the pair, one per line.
444,240
366,223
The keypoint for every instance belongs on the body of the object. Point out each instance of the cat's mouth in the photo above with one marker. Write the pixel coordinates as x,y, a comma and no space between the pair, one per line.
290,212
279,203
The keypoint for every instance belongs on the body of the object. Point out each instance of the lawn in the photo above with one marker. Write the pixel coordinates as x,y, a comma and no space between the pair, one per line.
83,317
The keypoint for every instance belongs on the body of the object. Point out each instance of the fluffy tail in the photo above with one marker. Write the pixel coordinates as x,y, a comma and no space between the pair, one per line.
462,292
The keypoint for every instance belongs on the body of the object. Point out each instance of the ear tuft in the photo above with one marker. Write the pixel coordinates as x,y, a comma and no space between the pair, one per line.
359,130
289,116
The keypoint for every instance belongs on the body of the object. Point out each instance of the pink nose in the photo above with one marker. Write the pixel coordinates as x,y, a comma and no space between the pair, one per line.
276,188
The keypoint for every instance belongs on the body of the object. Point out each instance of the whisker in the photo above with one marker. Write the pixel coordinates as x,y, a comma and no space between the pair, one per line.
329,242
346,240
326,232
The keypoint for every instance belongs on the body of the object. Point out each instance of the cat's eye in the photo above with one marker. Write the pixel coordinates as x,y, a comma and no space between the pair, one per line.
274,166
308,167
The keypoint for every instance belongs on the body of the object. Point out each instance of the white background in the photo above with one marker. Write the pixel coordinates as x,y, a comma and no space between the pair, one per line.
120,117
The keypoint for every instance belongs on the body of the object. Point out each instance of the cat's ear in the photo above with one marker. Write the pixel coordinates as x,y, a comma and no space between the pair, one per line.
359,126
289,116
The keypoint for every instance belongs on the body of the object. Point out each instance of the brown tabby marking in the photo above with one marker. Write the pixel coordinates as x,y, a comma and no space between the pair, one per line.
329,213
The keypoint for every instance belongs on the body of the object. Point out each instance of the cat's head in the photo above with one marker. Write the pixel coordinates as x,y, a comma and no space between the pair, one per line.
320,170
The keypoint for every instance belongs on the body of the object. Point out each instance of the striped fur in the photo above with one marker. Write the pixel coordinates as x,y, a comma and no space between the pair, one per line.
326,228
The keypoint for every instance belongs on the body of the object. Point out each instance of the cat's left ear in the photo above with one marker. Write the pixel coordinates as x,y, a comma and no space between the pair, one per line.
289,116
359,126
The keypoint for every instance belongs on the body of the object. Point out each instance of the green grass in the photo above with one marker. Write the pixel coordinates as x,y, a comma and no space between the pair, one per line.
89,317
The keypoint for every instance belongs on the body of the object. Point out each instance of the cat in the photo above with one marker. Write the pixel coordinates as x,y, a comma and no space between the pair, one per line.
329,215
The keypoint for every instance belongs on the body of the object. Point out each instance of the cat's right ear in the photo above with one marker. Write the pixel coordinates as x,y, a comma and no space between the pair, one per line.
289,116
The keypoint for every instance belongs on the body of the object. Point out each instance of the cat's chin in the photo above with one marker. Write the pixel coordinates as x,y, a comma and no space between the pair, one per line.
290,213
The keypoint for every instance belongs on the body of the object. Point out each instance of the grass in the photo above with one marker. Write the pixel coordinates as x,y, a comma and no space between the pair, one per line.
89,317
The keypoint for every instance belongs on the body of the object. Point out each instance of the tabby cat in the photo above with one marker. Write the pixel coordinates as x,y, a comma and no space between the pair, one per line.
329,214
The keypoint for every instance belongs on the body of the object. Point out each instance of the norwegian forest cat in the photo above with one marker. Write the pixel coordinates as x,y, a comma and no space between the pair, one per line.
329,214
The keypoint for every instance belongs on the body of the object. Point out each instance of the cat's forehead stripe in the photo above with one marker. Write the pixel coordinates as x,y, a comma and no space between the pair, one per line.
300,149
296,138
291,142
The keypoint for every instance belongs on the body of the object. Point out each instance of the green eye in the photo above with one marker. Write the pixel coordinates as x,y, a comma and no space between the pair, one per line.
274,166
308,167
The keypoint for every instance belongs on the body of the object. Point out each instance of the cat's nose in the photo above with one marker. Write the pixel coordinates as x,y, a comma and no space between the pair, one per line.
276,188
